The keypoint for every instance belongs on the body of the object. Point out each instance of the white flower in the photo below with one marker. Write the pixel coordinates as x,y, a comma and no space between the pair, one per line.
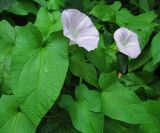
127,42
79,28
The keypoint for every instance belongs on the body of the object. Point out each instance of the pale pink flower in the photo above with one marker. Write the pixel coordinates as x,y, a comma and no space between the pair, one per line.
79,28
127,42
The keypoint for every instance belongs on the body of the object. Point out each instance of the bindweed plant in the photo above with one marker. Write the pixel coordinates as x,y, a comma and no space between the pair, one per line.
82,66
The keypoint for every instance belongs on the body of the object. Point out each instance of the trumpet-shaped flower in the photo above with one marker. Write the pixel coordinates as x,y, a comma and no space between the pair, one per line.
127,42
79,28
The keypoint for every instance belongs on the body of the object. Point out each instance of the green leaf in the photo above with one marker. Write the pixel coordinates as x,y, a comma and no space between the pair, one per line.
135,22
48,22
92,97
106,12
122,104
149,66
122,60
113,126
153,108
143,58
76,4
134,82
96,57
55,4
23,7
7,41
5,4
6,85
144,5
155,47
13,120
104,59
107,79
42,3
83,120
37,72
79,67
57,121
89,4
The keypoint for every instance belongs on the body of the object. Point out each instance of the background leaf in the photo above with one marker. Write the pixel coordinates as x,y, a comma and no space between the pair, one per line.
92,122
7,42
155,49
106,12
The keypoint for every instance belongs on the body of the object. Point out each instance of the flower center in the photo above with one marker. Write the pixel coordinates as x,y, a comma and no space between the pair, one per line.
74,33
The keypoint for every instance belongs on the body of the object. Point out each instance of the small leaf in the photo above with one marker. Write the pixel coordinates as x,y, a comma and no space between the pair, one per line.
155,47
92,97
106,12
122,60
96,57
7,42
79,67
48,22
144,57
41,2
107,79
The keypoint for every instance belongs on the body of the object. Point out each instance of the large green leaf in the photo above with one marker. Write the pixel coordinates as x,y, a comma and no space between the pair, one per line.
116,102
7,41
38,70
12,119
82,119
48,22
155,47
122,104
106,12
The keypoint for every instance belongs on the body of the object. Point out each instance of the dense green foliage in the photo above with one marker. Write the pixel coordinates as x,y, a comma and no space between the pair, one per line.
47,86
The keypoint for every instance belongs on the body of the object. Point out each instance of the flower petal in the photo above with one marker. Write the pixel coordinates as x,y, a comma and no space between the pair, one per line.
88,42
127,42
79,28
